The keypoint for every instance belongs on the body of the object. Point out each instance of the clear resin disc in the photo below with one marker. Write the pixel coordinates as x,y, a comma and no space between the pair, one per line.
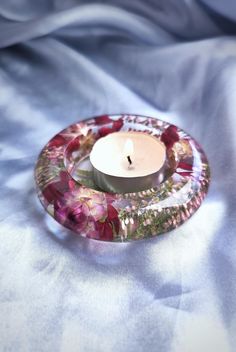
65,185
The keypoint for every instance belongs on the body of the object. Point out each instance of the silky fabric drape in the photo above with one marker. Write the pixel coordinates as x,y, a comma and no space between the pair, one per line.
60,62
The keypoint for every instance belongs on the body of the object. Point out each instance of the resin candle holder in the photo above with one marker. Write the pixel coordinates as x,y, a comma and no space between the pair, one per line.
66,188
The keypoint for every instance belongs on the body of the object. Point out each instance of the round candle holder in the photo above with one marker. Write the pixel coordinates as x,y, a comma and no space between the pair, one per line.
66,188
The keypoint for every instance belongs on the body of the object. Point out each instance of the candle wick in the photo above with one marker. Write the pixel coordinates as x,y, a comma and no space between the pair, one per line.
129,160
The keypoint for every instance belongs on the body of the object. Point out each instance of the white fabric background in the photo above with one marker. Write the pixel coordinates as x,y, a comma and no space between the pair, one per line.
60,62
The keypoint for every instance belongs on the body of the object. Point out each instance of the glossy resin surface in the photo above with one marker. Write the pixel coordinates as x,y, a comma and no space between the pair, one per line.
66,189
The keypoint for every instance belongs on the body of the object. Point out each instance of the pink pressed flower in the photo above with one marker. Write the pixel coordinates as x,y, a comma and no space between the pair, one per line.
185,166
72,217
88,211
115,127
105,230
110,226
56,190
102,120
57,141
170,136
94,202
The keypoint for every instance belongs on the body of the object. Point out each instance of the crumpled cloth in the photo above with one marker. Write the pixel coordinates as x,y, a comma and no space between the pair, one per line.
60,62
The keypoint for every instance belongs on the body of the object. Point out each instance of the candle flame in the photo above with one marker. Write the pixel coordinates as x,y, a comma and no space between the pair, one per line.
128,147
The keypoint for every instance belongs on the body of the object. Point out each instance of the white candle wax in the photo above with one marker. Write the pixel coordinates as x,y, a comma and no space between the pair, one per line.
109,156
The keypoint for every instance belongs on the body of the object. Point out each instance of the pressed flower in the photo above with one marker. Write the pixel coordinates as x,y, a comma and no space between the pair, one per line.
56,190
85,210
102,120
170,136
105,230
115,127
57,141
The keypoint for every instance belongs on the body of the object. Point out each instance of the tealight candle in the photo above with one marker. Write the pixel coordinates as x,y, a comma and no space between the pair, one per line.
125,162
